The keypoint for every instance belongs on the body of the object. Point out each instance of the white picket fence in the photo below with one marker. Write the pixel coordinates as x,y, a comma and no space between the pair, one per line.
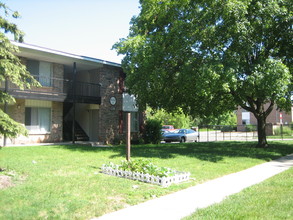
147,178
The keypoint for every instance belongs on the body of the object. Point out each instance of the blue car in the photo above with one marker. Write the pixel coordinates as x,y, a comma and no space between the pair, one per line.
181,135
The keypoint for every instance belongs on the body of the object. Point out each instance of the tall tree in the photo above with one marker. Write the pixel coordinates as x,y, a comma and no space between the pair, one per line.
209,56
12,71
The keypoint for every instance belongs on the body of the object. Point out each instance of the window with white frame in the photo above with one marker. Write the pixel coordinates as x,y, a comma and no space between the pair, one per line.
245,118
38,116
41,70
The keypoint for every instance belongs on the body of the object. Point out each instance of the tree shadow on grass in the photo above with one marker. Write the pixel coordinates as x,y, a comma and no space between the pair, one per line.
208,151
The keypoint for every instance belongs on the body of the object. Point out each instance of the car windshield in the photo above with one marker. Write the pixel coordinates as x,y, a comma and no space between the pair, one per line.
182,131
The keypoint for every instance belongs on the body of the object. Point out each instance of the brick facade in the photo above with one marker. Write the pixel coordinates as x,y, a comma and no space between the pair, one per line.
17,113
109,114
273,118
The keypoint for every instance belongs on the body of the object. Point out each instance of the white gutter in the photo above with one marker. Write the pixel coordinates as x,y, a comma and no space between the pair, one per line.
65,54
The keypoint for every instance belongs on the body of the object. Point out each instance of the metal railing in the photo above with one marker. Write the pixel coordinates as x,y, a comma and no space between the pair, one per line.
58,86
209,133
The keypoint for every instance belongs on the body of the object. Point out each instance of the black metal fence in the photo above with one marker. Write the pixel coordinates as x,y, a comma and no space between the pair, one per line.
58,86
209,133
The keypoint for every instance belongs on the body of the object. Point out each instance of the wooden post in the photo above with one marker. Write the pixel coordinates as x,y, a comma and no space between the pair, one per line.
128,137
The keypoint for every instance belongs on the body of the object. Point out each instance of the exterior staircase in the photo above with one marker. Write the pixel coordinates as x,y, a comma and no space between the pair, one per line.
80,134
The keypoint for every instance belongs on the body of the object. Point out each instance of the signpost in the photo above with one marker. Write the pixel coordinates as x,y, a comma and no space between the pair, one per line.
128,106
128,137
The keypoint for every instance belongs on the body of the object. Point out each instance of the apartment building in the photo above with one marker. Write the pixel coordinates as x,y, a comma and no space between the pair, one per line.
81,98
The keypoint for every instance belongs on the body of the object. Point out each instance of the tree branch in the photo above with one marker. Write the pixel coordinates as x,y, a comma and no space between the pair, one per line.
269,109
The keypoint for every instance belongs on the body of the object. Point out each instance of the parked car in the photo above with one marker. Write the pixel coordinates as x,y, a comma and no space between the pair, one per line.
163,132
168,127
181,135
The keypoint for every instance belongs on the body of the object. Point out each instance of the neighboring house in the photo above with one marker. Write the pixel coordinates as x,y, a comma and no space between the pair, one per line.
80,96
275,118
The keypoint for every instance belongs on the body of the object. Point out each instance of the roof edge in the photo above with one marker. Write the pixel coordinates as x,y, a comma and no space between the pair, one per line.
66,54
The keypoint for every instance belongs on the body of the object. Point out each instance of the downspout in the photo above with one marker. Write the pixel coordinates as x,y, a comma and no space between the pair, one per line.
73,97
5,110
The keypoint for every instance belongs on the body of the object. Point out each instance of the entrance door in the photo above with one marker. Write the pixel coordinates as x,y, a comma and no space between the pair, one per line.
94,124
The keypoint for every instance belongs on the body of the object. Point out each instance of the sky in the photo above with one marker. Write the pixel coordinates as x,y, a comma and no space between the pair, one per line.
82,27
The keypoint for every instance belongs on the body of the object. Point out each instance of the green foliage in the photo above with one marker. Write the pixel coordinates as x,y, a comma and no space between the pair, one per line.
152,131
284,130
208,57
250,128
177,119
9,127
227,128
228,118
11,69
142,166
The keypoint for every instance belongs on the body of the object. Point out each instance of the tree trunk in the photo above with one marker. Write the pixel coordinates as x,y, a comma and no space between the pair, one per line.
261,131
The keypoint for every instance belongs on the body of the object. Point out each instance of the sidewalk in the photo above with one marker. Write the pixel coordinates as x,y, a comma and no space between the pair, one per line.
183,203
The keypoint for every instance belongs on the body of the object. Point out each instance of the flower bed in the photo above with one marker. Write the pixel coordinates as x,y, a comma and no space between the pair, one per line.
162,180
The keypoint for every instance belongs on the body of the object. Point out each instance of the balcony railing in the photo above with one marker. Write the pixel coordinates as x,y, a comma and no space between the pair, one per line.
57,89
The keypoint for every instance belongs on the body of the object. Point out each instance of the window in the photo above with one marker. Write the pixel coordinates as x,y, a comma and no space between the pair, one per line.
38,119
38,116
42,71
245,118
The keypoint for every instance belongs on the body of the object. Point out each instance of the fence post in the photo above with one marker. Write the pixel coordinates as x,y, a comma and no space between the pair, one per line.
216,133
224,134
198,130
207,133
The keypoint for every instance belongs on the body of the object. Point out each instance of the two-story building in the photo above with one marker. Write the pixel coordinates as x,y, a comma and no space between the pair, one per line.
276,117
80,97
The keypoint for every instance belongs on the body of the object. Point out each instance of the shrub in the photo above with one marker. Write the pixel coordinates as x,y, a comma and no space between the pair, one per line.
285,130
152,132
142,166
251,128
227,128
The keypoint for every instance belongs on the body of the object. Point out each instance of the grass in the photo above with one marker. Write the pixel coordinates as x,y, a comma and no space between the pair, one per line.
64,181
271,199
280,137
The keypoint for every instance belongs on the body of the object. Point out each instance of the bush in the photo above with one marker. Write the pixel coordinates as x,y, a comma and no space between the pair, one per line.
152,132
228,128
285,130
249,128
137,141
142,166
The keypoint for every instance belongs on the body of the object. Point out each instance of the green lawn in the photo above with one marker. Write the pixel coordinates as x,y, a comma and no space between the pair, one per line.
281,137
271,199
64,181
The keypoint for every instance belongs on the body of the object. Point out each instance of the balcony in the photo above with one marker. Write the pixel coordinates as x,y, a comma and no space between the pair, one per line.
57,89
